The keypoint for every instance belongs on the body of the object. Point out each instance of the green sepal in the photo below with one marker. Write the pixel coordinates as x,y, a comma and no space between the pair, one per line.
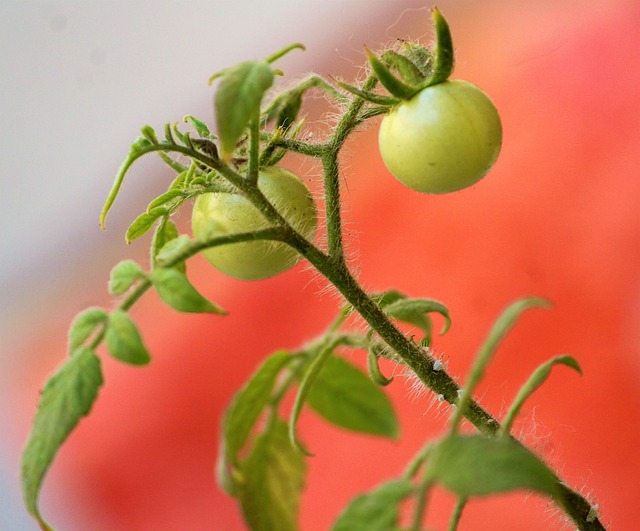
242,414
85,325
538,377
377,510
273,477
123,340
410,73
238,100
371,97
420,56
124,275
478,465
444,57
174,289
344,396
66,397
388,80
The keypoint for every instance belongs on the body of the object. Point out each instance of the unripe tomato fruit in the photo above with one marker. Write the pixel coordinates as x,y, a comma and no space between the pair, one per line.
217,214
444,139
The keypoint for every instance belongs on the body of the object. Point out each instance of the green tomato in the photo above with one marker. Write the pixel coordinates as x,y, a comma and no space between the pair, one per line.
444,139
218,214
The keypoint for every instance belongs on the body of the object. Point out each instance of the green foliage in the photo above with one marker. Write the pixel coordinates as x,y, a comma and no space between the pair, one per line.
67,396
261,461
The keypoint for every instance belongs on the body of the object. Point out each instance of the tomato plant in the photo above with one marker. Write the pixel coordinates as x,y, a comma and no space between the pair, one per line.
444,139
252,220
216,214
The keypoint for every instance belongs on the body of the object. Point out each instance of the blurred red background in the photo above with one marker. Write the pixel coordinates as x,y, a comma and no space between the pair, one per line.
557,217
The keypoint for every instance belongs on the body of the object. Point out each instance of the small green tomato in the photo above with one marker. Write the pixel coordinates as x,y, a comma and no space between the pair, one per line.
217,214
444,139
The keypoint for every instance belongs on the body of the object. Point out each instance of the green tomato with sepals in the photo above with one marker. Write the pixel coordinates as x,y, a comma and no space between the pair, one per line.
446,138
219,214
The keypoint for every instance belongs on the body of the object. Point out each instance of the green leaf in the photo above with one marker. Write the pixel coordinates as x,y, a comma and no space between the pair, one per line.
346,397
200,127
478,465
165,233
238,100
273,478
501,327
175,290
141,225
412,311
249,402
538,377
84,325
123,340
169,201
65,399
174,249
123,275
377,510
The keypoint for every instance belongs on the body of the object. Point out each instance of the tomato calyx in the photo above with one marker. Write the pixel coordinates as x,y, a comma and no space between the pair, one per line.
406,72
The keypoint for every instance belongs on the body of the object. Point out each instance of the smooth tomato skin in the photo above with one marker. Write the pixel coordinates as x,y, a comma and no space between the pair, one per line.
444,139
220,214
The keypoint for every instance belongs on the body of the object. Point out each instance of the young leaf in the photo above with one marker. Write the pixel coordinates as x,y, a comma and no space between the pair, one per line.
84,325
412,311
175,290
477,465
65,399
273,478
123,340
165,232
169,200
173,249
199,126
503,324
141,225
374,369
346,397
377,510
538,377
249,402
123,275
238,100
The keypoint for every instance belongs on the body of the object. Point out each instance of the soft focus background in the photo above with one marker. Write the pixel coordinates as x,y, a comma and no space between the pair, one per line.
558,217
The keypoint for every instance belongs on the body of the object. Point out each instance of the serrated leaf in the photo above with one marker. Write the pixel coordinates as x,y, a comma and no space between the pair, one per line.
123,276
273,478
346,397
165,232
175,290
538,377
141,225
84,325
238,100
377,510
67,396
477,465
124,341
